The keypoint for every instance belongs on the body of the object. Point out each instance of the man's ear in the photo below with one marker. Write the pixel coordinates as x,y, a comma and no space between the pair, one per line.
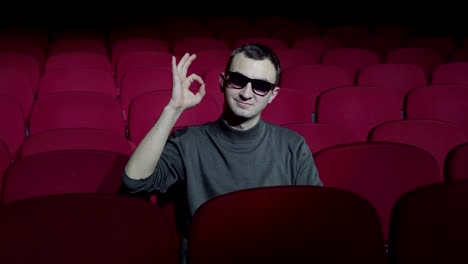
221,81
274,93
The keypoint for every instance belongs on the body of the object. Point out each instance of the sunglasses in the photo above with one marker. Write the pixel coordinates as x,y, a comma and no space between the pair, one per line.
238,81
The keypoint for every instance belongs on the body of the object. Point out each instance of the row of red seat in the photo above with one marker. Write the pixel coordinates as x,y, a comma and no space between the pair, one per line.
180,36
312,50
354,109
293,224
140,72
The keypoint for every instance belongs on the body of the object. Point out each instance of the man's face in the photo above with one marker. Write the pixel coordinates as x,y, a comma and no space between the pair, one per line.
243,101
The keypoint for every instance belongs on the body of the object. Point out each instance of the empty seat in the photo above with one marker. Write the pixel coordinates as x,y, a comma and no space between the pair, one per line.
435,136
450,73
16,84
23,62
322,136
85,228
429,225
315,79
13,125
290,106
351,59
76,110
123,46
141,59
358,108
142,80
393,77
380,172
439,101
77,80
208,60
425,58
379,43
293,57
286,224
456,163
78,60
76,139
65,171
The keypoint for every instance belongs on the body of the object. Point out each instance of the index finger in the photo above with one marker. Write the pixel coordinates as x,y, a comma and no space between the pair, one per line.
186,63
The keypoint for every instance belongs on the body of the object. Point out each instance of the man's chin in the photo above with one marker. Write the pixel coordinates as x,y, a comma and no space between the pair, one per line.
243,113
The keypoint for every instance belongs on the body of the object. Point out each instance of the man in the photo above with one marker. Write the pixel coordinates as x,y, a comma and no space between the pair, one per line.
237,151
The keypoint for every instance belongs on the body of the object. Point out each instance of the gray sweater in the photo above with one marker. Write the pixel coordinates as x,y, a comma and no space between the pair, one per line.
214,159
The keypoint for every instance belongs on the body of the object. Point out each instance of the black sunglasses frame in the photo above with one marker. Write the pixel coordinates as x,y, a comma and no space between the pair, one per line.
259,87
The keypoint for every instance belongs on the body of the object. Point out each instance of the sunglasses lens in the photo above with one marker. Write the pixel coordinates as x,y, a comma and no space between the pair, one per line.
237,80
261,87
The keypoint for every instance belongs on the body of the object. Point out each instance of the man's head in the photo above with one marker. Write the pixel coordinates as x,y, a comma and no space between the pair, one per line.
250,81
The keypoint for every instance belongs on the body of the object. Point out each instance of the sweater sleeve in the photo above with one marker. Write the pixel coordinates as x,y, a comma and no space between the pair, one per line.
307,173
168,171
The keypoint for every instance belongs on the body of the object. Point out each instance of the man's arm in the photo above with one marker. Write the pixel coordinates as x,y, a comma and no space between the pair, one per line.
144,159
307,173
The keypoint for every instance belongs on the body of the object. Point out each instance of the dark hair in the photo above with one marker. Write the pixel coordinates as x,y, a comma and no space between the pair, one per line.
257,52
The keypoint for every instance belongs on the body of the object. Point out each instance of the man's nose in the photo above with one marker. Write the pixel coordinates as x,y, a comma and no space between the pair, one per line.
247,91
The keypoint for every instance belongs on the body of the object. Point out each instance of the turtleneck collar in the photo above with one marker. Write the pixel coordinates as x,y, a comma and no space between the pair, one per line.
241,136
